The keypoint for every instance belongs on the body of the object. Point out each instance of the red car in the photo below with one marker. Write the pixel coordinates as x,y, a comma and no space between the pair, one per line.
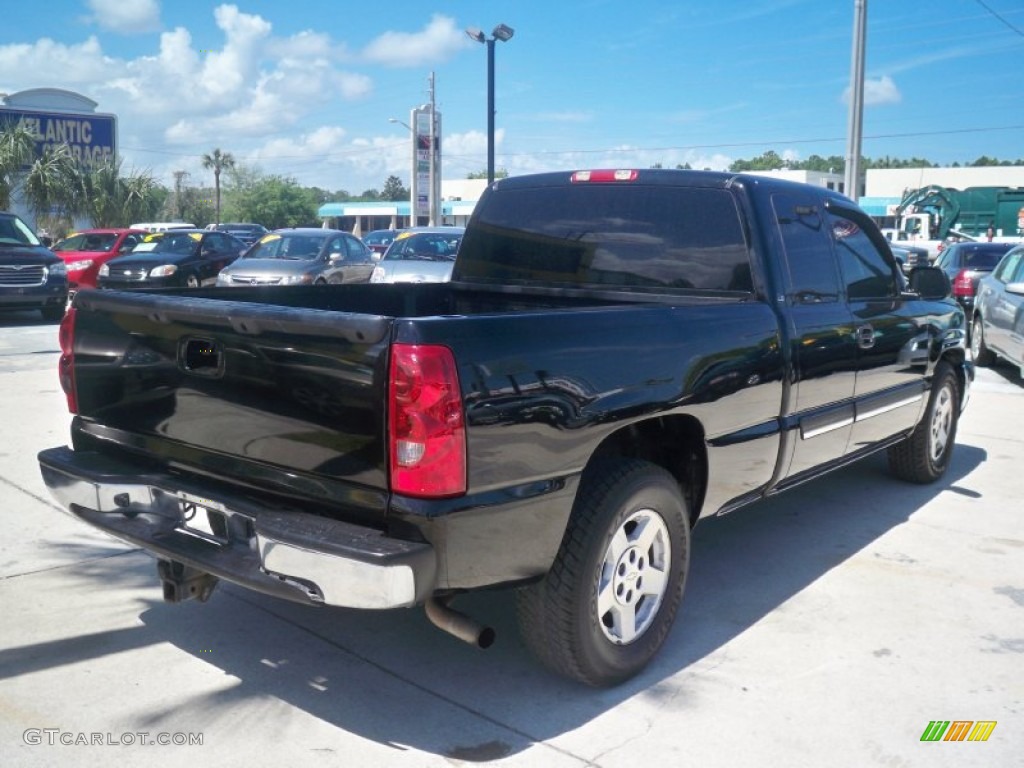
86,251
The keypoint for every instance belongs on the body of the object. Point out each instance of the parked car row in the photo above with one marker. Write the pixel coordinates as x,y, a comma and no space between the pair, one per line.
176,254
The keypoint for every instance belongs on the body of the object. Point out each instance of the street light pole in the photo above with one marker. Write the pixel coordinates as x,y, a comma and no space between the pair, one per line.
851,180
504,33
490,111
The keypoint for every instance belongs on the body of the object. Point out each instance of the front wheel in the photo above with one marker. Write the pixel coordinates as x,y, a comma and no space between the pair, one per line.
924,456
982,354
606,606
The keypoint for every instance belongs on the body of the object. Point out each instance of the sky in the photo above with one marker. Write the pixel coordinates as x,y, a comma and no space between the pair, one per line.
308,89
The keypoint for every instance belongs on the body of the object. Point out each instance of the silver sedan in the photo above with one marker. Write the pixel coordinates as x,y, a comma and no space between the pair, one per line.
420,255
998,325
301,257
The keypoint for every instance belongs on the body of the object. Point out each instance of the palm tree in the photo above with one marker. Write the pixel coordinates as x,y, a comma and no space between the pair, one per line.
52,186
111,199
218,161
17,148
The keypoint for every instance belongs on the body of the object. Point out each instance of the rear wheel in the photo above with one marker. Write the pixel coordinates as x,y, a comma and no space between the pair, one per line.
924,456
982,355
606,606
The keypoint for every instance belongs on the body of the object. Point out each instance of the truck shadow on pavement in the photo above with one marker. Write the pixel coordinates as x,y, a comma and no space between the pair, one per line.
393,678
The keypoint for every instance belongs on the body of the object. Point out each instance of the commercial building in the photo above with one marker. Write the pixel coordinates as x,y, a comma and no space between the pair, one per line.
56,116
458,199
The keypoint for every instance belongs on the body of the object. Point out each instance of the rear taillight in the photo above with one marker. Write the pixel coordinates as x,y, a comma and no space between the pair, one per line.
962,284
66,366
427,434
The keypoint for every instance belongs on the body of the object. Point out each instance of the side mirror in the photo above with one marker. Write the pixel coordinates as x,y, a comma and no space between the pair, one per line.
931,283
335,256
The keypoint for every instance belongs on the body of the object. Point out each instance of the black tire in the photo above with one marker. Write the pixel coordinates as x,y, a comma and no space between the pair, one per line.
320,281
53,314
629,524
924,456
982,354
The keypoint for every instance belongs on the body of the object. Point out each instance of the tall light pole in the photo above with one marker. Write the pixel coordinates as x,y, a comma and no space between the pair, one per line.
503,33
853,138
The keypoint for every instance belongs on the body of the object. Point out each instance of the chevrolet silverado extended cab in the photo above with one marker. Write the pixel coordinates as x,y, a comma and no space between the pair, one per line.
618,354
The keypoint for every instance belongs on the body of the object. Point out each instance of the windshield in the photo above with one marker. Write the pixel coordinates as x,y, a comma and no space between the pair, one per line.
425,246
177,243
87,242
14,231
304,247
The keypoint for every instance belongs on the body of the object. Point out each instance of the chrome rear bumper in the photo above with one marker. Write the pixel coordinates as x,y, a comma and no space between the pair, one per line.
290,554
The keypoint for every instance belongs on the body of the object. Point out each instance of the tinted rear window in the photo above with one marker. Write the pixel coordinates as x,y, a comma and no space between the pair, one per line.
983,258
654,237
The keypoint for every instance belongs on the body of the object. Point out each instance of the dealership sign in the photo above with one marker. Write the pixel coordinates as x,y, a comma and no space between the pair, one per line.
92,138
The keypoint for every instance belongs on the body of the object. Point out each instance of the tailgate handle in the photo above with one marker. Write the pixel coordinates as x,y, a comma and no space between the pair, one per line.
201,357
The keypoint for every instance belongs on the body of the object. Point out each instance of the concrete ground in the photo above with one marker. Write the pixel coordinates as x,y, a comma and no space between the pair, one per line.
826,627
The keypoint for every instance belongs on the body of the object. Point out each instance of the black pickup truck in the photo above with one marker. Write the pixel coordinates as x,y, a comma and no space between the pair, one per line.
618,354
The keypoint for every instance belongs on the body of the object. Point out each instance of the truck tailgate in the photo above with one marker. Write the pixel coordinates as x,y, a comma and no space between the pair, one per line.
278,398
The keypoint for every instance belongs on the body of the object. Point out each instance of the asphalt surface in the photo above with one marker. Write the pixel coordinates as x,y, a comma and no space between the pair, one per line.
826,627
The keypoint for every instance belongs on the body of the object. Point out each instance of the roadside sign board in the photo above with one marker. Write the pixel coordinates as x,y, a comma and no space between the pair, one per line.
91,137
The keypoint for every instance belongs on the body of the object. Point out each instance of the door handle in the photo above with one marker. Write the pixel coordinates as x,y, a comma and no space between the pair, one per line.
865,336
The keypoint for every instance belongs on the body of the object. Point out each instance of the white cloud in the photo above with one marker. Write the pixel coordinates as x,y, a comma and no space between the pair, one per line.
271,101
882,90
24,65
437,42
126,16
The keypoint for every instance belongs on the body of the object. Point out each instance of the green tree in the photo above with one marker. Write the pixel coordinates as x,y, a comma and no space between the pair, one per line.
109,198
769,161
218,161
53,189
499,173
17,148
275,202
393,189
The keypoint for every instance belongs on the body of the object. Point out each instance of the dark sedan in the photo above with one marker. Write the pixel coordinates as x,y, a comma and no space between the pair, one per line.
246,232
966,263
31,275
302,257
379,239
182,257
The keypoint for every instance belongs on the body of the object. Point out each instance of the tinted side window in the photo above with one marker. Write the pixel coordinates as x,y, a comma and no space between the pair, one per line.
608,235
813,278
866,272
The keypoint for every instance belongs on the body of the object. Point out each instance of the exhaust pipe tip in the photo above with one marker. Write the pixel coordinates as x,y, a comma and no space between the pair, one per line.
458,624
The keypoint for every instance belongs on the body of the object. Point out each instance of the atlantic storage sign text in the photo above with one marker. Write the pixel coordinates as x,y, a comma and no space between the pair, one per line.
91,138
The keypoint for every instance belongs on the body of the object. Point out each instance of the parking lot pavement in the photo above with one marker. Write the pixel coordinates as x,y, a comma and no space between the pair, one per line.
825,627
